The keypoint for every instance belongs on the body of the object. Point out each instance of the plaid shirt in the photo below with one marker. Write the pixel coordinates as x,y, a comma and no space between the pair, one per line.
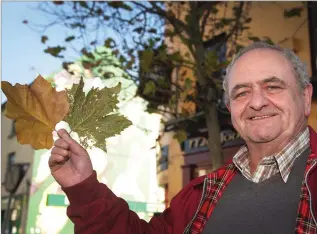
216,183
281,162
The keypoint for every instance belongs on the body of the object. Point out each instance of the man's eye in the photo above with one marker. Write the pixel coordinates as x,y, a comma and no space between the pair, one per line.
241,94
273,88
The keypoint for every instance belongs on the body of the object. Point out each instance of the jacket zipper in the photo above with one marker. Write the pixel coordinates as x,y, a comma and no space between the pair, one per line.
200,204
310,199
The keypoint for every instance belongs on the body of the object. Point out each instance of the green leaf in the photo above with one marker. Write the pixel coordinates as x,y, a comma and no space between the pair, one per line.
94,117
83,4
295,11
119,5
78,25
146,60
44,39
162,82
70,38
152,30
87,54
187,55
211,59
151,43
149,88
87,64
172,101
99,12
58,2
269,40
188,84
169,33
176,57
55,51
93,42
122,59
248,20
138,29
254,39
151,110
180,135
109,43
66,64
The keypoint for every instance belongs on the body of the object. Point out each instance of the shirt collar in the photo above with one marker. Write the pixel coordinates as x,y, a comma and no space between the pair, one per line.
281,162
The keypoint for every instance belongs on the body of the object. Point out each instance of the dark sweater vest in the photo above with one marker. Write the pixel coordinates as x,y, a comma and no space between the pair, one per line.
266,207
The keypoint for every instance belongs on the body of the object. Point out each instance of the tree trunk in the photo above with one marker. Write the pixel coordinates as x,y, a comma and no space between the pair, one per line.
210,108
214,143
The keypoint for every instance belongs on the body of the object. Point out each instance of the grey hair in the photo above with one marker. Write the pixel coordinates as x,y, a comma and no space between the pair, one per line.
299,67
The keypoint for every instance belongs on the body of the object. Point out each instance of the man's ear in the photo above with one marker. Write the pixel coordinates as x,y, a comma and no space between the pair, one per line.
308,92
228,106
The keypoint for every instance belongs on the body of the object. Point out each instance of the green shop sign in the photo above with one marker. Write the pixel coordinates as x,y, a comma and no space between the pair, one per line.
61,200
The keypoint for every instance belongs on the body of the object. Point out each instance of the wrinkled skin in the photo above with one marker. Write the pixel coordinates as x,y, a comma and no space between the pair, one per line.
70,163
268,108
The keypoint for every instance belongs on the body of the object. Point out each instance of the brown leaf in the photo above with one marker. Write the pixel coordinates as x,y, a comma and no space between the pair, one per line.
36,109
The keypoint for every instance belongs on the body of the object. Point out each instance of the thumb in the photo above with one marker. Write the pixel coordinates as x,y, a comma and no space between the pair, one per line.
73,145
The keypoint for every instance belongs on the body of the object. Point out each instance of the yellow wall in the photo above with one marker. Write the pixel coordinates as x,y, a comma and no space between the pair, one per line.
268,20
175,161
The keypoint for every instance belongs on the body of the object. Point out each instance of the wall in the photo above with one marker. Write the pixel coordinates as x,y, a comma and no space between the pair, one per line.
268,20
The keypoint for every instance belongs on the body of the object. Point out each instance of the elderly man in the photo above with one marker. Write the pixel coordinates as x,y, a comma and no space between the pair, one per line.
270,186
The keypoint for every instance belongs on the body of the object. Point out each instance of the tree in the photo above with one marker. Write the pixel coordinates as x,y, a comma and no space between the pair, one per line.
145,36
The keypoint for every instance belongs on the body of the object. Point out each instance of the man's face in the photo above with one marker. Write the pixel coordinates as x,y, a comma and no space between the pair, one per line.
265,100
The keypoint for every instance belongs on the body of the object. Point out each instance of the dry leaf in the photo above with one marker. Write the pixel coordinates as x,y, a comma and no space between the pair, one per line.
36,109
95,117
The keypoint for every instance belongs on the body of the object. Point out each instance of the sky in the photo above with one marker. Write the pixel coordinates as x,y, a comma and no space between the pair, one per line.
22,56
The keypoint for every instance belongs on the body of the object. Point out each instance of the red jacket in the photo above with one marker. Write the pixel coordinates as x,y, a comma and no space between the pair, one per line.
95,209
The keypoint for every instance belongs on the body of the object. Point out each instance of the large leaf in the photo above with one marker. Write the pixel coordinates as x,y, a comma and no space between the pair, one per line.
94,117
36,109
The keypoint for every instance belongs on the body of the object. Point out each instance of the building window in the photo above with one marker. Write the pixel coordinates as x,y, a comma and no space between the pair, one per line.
12,132
162,162
10,160
219,46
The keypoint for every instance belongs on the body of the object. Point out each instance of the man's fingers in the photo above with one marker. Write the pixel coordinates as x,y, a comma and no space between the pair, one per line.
61,143
56,159
62,133
60,151
73,145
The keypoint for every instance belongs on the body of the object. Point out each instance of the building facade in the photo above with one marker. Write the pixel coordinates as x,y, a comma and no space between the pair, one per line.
12,154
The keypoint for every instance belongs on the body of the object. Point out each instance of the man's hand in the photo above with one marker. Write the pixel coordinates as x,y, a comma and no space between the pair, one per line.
70,163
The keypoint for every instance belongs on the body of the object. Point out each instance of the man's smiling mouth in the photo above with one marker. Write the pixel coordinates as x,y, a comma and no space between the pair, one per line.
261,117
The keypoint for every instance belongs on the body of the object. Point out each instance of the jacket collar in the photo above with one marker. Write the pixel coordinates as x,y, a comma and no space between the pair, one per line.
313,141
313,147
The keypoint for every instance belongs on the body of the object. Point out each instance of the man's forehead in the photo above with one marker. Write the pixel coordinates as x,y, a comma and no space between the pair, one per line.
259,56
257,65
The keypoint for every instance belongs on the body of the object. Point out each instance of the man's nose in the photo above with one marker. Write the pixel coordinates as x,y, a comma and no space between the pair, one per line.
258,100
